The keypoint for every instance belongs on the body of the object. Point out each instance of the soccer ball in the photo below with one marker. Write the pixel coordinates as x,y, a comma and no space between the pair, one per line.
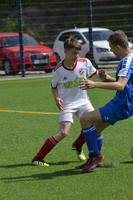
131,151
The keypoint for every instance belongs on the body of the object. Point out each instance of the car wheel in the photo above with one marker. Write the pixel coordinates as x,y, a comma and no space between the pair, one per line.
7,66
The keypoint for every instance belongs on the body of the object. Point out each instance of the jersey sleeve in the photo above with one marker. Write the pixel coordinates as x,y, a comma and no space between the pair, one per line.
54,82
127,66
91,70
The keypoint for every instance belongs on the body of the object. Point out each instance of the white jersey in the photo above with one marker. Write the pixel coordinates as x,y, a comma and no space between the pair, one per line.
66,80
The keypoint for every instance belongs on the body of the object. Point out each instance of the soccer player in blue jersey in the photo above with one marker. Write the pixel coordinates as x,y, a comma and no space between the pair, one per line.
119,108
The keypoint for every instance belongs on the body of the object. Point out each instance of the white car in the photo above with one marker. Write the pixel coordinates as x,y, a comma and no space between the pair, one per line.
101,50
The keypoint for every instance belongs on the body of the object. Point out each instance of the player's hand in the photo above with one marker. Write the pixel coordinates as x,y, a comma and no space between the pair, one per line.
102,75
59,103
86,84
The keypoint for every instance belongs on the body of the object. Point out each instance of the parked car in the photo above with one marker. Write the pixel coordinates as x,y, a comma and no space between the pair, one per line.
36,55
101,50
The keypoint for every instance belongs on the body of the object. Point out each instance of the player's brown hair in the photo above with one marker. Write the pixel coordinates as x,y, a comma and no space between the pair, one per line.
119,38
72,43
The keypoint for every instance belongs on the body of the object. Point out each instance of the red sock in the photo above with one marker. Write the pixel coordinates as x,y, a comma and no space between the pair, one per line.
80,140
46,148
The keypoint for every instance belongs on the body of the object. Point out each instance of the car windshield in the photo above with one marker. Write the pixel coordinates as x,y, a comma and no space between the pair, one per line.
98,35
12,41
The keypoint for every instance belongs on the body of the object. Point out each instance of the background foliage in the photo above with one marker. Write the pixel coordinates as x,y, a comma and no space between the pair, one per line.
45,19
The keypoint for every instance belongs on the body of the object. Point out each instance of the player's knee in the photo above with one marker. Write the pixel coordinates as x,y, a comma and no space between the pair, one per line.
63,133
84,120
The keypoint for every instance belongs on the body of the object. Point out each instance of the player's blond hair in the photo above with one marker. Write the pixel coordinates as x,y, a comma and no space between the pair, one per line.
72,43
119,38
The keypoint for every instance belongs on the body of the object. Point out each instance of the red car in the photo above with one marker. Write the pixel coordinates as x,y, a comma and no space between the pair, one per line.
36,56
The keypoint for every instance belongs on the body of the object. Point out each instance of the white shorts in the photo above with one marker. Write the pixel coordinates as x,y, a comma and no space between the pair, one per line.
68,113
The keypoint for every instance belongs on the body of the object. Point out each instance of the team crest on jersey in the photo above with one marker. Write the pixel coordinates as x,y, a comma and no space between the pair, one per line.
65,78
81,71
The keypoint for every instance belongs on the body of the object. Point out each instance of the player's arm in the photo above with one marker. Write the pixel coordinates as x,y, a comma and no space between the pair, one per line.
58,100
101,74
117,85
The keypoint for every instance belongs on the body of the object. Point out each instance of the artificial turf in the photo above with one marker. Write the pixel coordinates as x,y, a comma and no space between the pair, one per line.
28,116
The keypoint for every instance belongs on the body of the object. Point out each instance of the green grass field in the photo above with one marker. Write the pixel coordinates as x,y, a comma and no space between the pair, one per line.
28,116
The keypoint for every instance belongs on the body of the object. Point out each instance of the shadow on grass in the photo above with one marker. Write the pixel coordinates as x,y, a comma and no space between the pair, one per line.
114,164
15,165
127,162
43,176
50,175
29,164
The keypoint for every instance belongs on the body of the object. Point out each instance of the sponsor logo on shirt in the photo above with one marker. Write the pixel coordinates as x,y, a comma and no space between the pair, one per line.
72,84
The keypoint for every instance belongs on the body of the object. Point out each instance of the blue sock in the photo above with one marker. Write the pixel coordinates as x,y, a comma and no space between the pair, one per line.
100,141
90,135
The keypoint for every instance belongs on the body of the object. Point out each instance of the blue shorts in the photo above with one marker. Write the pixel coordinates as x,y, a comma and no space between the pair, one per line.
111,114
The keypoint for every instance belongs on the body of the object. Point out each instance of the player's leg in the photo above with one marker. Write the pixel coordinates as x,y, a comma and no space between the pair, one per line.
77,146
99,136
81,140
94,160
78,143
99,132
87,107
102,118
90,133
65,121
50,143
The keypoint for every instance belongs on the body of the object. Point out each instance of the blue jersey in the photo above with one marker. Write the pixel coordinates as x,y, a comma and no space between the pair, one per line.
124,99
121,106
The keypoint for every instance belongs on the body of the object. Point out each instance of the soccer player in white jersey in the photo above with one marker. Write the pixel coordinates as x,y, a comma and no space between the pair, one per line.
69,98
119,108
